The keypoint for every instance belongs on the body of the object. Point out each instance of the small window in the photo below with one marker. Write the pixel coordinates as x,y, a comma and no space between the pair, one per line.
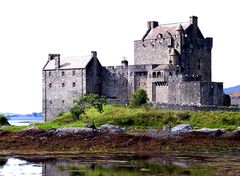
50,102
74,84
73,73
63,101
154,75
50,85
63,84
49,74
63,73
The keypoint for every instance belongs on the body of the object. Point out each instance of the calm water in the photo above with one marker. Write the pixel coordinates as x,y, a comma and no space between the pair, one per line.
183,165
23,121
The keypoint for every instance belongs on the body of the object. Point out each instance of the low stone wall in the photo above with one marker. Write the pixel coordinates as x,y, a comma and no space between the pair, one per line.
117,101
194,108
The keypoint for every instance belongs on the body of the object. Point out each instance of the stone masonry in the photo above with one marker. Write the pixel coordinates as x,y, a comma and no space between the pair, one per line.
172,62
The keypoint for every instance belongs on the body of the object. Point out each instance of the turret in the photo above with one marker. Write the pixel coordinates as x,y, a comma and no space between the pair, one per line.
174,57
179,30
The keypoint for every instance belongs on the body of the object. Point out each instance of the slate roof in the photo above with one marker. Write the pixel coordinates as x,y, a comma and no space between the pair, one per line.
161,67
69,62
165,29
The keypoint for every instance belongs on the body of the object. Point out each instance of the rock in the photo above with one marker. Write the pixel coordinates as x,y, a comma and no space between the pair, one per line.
231,134
238,128
91,126
67,131
32,127
211,131
3,132
182,128
166,129
107,128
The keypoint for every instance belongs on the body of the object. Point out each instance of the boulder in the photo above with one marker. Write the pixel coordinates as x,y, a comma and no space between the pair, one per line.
182,128
66,131
211,131
107,128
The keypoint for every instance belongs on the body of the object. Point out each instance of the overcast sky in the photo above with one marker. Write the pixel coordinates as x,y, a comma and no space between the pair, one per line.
30,29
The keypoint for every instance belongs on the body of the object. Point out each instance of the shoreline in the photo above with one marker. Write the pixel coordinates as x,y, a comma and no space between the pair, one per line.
86,140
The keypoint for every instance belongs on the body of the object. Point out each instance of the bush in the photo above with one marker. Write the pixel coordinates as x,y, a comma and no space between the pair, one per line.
226,100
138,98
86,101
3,120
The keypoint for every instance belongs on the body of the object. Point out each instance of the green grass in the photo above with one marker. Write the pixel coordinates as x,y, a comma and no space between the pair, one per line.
147,117
12,128
144,118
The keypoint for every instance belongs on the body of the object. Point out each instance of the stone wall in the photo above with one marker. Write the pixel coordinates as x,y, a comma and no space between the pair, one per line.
193,108
190,93
196,57
94,76
152,51
212,93
60,88
161,93
115,84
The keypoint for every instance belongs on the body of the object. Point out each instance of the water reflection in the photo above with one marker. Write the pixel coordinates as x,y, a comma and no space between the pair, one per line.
183,165
17,167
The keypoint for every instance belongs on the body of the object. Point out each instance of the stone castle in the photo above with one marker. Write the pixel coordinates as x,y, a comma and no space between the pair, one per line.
172,62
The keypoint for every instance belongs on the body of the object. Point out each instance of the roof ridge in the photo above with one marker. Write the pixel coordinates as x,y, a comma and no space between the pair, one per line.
173,23
75,56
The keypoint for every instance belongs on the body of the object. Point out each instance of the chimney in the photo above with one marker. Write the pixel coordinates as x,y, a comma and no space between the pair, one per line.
124,62
194,20
94,53
56,57
152,24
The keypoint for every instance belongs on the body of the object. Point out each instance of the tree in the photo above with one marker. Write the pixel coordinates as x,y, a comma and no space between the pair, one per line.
86,101
138,98
226,100
3,120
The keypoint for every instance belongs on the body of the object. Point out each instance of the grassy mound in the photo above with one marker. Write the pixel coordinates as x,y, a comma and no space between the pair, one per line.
3,120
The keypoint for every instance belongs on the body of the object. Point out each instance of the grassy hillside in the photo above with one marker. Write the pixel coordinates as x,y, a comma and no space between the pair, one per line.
235,97
147,117
232,89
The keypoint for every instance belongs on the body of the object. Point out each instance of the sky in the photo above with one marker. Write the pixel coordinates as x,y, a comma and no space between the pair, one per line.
31,29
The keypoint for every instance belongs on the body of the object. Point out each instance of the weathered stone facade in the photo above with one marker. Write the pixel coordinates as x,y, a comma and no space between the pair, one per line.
172,62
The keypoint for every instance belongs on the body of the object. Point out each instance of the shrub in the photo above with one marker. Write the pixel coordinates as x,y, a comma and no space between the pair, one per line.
226,100
3,120
86,101
138,98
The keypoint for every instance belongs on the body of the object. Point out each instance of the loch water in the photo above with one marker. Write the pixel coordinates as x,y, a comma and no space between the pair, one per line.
207,164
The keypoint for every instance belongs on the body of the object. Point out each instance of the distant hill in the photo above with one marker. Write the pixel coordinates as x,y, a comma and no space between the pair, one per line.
34,114
234,93
231,89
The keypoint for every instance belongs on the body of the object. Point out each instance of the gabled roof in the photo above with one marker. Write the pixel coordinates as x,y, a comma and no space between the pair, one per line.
166,29
69,62
161,67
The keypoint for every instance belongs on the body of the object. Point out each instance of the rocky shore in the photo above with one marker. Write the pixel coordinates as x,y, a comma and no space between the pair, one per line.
109,138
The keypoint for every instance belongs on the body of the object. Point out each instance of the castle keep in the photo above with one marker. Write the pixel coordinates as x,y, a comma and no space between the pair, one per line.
172,62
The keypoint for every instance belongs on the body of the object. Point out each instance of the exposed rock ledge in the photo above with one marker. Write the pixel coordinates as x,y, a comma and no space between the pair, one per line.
110,138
